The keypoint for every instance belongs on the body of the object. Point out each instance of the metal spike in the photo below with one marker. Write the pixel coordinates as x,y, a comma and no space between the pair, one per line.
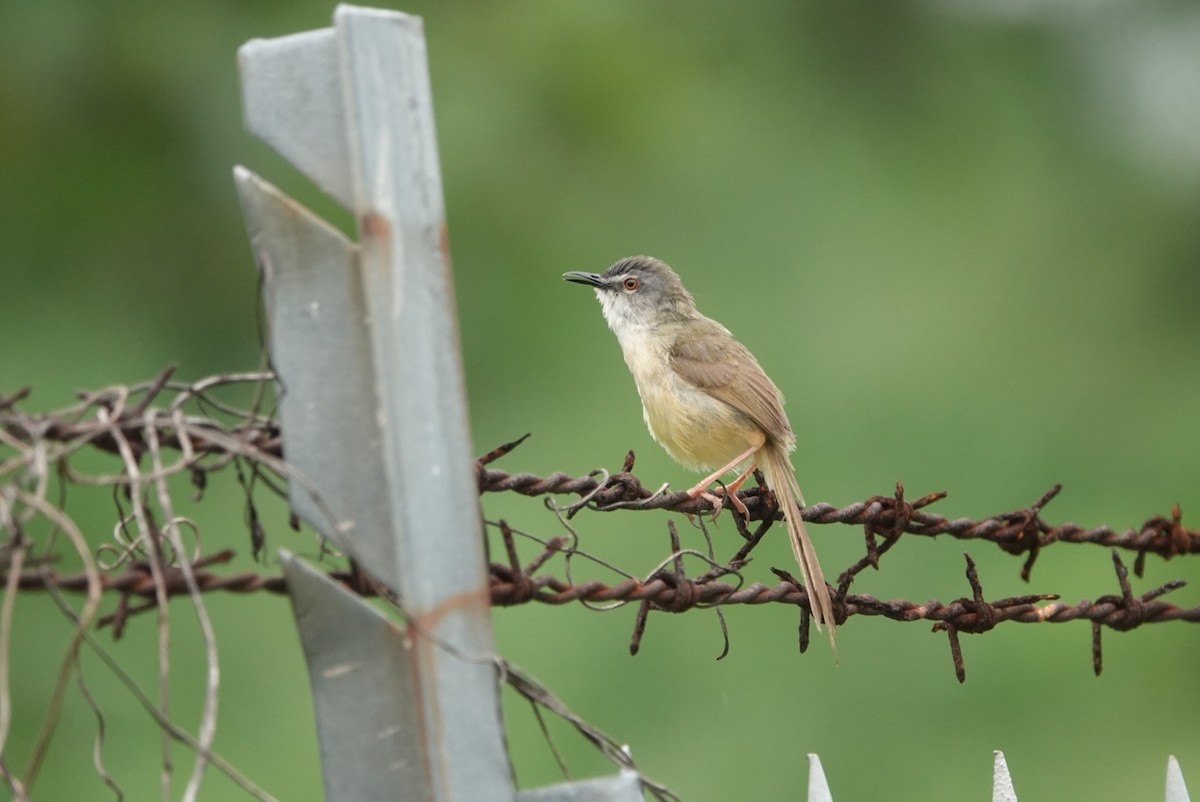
818,787
1176,790
1002,784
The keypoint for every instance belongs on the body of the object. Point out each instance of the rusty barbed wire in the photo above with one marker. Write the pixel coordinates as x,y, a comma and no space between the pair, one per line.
122,421
672,592
1020,531
78,425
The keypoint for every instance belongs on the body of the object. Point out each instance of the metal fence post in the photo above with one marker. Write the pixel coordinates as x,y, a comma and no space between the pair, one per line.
364,341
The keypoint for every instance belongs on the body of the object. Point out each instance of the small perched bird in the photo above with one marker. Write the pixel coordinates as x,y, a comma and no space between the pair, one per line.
704,397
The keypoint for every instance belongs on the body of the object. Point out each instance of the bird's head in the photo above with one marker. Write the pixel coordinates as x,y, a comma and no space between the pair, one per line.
638,292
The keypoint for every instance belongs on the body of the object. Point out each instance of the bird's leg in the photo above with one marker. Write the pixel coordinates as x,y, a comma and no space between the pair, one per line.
736,485
729,491
701,489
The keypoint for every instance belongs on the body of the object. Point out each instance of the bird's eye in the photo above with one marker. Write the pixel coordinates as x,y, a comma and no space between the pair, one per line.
630,283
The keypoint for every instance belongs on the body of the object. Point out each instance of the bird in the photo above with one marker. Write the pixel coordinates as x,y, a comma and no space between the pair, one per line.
705,398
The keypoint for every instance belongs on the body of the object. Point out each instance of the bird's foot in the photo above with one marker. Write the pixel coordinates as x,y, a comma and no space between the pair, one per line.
718,498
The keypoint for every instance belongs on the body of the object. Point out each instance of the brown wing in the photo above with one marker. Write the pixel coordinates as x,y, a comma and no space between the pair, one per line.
711,360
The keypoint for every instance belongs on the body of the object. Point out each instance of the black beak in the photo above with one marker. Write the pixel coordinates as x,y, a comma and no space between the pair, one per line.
591,279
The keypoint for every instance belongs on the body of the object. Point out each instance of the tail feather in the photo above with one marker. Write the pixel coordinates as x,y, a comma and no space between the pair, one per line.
778,470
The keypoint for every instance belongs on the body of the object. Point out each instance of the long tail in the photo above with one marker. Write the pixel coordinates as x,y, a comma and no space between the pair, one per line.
778,470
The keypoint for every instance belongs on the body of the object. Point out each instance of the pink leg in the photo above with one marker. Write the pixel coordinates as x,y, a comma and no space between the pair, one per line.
701,488
729,491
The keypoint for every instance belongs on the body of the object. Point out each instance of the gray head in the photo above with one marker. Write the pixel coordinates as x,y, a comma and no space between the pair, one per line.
638,291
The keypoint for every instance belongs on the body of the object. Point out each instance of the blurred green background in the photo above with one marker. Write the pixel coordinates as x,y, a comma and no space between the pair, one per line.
963,238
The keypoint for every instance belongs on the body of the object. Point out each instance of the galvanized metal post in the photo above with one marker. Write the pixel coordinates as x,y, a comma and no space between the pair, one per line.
364,338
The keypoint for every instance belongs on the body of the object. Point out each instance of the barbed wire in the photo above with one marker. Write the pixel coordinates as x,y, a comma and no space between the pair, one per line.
671,591
1018,532
884,519
1021,531
256,439
148,560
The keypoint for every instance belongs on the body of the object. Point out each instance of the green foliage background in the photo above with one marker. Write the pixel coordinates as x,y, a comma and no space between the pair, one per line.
962,238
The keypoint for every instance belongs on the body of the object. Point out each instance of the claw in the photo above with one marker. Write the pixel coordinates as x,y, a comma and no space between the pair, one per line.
740,506
717,500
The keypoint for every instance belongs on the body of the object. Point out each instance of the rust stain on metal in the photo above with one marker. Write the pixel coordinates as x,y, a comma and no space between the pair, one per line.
475,601
444,242
374,225
424,658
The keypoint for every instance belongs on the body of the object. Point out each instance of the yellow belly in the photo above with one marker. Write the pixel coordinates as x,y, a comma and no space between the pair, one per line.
697,430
